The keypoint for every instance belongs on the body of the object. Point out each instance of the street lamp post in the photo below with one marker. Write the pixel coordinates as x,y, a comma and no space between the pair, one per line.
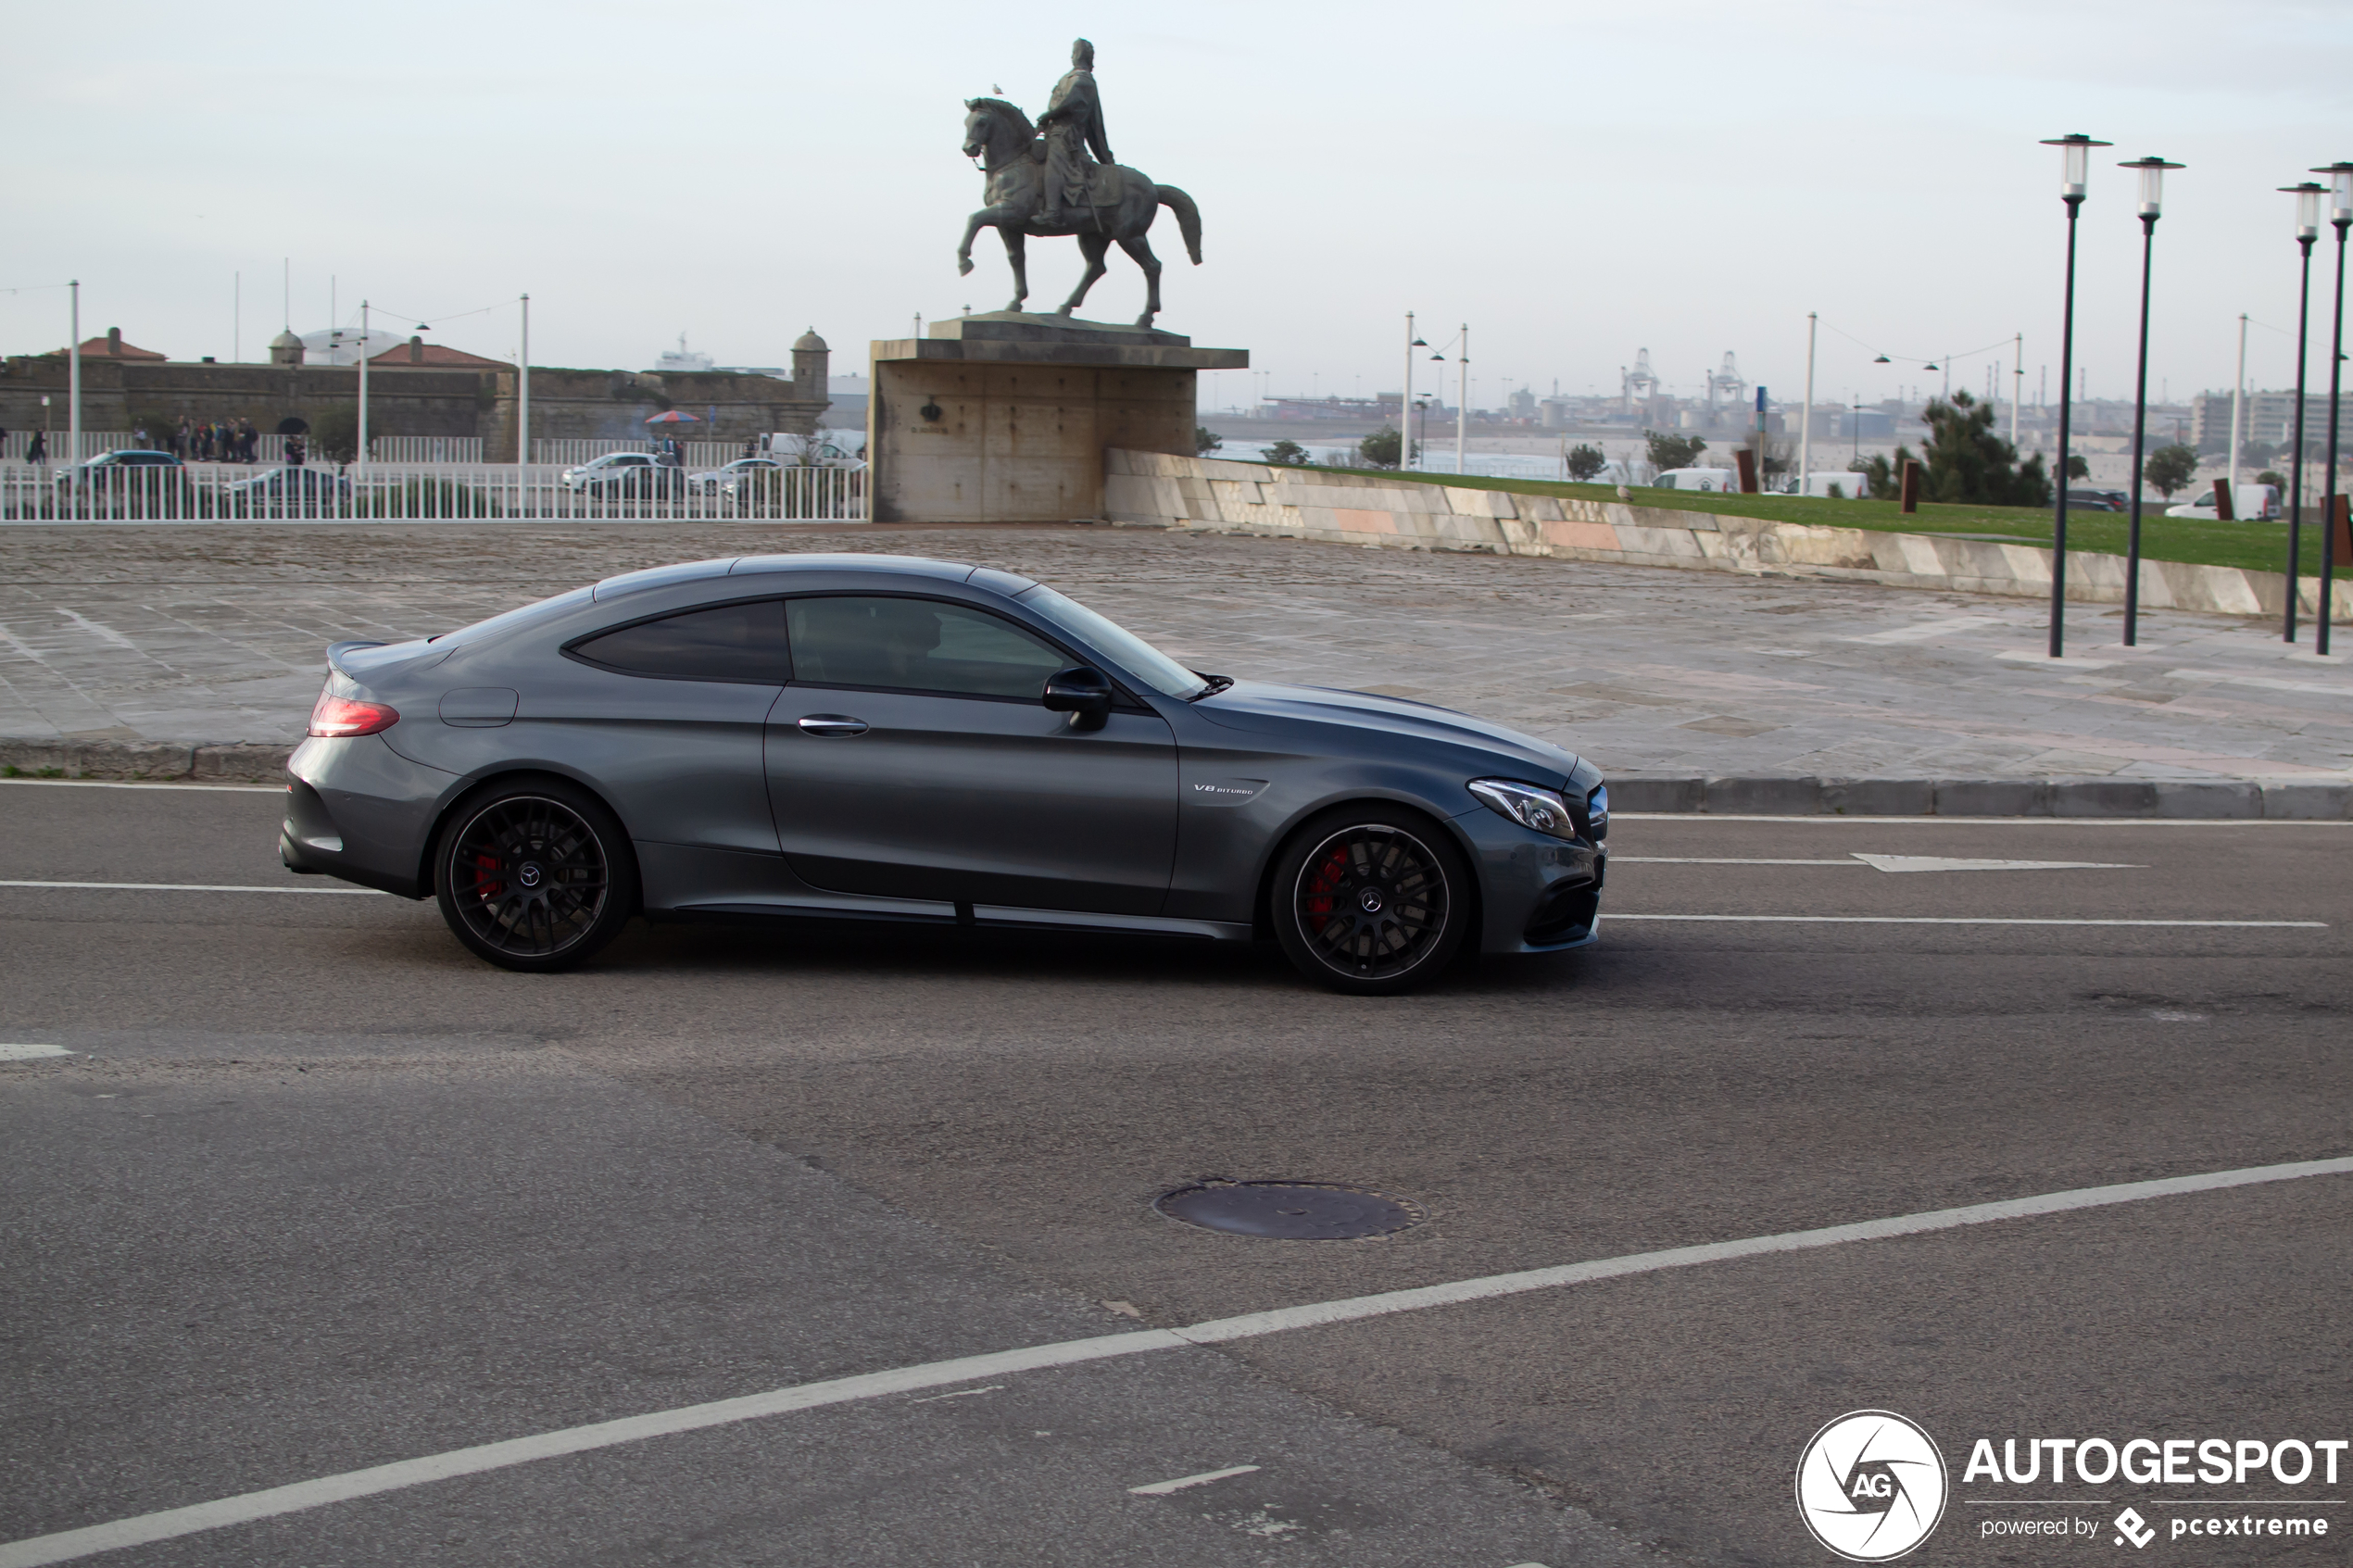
1405,399
2340,218
1462,401
2307,229
1805,418
2152,203
2075,158
73,377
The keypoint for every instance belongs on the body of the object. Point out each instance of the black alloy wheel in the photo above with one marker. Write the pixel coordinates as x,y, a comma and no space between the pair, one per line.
1370,900
534,875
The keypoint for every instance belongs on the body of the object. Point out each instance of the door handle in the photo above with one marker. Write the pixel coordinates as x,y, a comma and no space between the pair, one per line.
832,724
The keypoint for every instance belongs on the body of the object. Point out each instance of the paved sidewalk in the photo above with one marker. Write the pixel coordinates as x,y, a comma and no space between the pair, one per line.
206,635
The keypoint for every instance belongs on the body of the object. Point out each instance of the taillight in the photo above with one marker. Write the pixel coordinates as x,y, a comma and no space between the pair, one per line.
335,718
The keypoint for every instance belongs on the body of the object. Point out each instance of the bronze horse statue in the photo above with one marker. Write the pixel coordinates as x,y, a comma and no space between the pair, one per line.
1014,169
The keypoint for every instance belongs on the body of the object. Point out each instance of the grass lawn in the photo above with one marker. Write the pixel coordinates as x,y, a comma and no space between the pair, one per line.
2260,547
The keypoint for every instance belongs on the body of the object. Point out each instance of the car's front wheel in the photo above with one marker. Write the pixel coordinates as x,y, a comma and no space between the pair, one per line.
1370,899
534,875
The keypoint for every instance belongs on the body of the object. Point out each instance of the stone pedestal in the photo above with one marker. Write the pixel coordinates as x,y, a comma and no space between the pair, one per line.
1004,418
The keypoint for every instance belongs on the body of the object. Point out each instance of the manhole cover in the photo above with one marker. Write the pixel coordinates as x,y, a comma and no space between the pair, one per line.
1290,1210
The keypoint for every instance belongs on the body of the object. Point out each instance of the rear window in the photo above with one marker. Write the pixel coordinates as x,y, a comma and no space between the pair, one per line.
743,642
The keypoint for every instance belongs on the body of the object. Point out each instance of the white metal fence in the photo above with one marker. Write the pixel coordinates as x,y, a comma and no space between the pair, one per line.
693,454
419,493
425,449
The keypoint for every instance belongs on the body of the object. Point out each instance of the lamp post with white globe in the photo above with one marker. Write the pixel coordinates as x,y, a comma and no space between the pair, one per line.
2075,160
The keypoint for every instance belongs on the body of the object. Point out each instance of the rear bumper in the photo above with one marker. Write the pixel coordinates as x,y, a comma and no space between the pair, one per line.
359,810
1537,893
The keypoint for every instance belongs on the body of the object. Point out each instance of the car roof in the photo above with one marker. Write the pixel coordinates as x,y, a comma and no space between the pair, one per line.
913,567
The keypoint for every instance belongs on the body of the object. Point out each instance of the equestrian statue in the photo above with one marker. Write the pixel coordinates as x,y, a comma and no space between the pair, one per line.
1057,177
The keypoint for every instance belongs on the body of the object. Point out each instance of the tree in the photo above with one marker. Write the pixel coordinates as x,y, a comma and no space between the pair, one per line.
334,434
1585,461
1206,441
1967,463
1285,453
1672,451
1380,449
2077,467
1883,476
2169,469
2272,477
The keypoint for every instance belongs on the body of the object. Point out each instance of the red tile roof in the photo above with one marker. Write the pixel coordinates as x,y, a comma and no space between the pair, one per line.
113,348
432,354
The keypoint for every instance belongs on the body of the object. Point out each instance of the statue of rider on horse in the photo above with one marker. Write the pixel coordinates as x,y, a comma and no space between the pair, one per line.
1058,178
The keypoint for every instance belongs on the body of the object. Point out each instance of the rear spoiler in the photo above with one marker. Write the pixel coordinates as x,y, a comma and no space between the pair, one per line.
336,650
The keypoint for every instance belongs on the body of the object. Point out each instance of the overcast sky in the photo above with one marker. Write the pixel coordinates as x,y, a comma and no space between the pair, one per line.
1575,180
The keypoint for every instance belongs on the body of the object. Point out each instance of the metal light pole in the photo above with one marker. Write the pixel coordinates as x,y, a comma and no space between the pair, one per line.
1805,419
1462,400
360,457
73,377
523,395
2075,159
2238,400
1406,400
2307,229
2152,202
2340,218
2017,384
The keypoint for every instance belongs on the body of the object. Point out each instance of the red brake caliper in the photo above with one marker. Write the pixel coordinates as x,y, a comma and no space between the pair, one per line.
1323,890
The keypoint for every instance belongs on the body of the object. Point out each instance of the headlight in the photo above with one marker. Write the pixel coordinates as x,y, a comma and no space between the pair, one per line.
1597,812
1530,807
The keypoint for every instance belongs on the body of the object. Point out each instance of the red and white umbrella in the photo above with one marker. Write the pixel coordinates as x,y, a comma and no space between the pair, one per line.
674,417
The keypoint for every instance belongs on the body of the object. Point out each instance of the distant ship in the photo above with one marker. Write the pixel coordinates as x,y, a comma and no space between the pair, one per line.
682,360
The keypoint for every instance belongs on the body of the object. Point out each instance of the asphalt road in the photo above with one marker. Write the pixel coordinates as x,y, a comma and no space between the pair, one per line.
318,1192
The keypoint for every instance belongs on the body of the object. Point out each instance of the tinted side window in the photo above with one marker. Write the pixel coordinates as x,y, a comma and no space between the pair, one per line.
917,644
729,642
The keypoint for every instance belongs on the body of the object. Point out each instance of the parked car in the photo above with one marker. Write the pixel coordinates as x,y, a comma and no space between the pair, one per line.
2098,501
710,481
2248,503
1850,486
858,737
624,476
131,481
288,492
1698,478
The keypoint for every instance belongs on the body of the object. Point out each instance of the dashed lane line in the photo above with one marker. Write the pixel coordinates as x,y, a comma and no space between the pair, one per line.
1185,1483
66,1546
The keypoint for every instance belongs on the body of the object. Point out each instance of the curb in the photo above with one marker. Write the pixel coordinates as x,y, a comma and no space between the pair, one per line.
1720,795
242,762
2181,799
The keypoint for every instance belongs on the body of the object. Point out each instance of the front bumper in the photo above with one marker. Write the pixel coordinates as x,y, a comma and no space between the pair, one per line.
1537,893
359,810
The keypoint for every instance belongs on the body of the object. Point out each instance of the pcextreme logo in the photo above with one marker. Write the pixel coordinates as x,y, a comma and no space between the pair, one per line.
1871,1486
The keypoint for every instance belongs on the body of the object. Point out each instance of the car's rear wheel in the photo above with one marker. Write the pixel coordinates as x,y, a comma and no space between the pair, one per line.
1370,899
534,875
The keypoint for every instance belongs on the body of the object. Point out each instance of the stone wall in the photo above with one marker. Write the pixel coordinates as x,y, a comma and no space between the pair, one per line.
1353,508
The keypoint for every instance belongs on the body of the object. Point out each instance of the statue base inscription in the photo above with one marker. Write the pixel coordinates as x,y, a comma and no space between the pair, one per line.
1004,418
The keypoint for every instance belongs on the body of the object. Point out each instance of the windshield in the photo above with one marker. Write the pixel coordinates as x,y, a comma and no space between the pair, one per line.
1132,653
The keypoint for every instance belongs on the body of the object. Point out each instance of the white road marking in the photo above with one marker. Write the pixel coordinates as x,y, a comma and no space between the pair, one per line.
191,887
1947,863
68,1545
1162,1489
959,1394
1974,920
176,788
1927,629
32,1053
1851,865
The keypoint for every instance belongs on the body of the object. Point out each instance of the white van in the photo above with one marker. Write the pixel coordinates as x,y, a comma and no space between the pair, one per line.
1850,486
1698,478
2250,502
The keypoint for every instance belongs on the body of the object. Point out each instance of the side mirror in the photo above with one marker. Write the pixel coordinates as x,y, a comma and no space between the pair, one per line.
1082,692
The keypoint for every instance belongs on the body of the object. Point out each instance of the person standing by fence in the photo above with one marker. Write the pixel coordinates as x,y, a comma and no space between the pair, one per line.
37,455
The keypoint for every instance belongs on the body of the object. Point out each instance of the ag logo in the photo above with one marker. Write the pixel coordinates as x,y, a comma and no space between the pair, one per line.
1870,1485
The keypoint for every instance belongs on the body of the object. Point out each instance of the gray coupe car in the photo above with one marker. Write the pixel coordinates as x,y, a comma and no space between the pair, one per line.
883,737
